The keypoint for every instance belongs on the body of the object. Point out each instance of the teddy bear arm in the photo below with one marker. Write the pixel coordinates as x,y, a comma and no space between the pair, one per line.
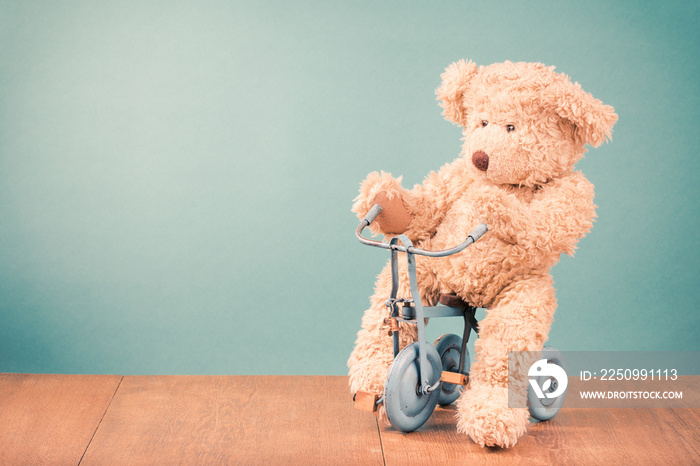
563,213
417,212
425,213
429,202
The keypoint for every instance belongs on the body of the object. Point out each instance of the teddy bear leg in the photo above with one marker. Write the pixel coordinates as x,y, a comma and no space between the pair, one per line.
373,352
519,321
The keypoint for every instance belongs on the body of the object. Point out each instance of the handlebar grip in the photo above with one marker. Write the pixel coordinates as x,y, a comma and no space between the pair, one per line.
372,214
479,232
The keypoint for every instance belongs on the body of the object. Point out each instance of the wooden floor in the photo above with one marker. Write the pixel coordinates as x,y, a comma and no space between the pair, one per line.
113,420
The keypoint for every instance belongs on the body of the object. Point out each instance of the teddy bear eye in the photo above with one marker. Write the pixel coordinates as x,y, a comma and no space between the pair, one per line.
484,123
510,128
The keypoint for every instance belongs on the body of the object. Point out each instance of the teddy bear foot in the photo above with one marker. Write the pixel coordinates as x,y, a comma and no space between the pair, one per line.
483,414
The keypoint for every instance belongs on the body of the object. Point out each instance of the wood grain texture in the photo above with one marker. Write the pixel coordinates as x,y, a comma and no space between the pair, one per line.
235,420
50,419
574,436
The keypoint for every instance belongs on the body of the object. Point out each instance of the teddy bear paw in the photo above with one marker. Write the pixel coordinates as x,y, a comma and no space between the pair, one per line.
484,415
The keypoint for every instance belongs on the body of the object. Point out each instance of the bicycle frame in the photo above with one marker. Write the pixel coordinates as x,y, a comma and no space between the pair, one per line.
412,310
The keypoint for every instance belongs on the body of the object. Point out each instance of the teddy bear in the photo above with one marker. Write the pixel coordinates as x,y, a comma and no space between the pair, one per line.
524,126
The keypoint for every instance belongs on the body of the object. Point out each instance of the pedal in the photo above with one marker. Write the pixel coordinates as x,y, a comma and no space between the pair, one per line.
366,401
454,378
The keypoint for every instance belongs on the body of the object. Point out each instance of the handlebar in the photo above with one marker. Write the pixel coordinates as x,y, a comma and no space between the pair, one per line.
377,209
372,214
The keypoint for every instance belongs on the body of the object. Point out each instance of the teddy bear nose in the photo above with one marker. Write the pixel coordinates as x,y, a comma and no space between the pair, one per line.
480,160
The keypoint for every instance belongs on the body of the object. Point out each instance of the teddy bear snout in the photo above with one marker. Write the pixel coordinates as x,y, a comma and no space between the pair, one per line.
480,160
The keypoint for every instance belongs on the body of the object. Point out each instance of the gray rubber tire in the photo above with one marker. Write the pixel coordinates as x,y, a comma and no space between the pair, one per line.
449,347
546,409
407,409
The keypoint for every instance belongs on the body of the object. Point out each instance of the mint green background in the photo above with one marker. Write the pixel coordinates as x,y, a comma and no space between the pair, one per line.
176,177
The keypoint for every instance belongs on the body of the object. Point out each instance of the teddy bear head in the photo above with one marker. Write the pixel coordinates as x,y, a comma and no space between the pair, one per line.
523,123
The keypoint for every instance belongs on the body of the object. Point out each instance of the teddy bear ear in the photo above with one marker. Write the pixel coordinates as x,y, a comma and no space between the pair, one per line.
593,121
455,81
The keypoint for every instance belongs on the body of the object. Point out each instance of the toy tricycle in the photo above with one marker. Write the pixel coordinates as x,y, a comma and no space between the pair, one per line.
422,375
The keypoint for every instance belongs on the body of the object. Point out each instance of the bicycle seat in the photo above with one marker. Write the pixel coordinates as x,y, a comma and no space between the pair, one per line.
452,300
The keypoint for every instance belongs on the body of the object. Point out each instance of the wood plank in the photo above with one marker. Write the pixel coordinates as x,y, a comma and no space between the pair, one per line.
574,436
50,419
234,419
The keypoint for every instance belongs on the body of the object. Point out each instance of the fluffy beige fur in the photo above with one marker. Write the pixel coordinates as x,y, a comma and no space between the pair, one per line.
531,124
